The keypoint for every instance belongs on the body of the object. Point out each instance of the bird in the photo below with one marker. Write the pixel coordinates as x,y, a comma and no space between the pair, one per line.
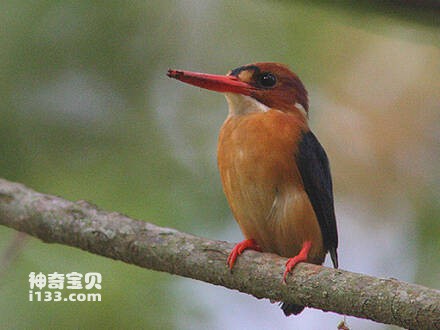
275,173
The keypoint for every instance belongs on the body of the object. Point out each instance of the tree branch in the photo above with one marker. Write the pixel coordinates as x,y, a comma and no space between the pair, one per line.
82,225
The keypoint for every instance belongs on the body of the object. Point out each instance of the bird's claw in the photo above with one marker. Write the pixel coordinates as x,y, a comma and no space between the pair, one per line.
292,262
239,248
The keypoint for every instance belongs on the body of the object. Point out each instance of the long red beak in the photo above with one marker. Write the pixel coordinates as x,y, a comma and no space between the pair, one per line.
217,83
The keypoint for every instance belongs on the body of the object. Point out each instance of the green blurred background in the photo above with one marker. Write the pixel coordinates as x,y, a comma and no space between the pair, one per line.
88,113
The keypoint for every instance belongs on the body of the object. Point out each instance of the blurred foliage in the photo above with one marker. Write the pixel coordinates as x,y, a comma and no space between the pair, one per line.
423,12
87,113
428,229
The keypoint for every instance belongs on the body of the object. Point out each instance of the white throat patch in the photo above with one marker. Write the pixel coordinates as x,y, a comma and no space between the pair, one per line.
241,104
301,109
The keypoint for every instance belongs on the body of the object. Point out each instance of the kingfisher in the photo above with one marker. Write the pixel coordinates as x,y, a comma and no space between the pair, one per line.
275,173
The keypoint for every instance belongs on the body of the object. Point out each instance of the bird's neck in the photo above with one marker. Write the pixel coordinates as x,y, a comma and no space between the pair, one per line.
240,105
243,105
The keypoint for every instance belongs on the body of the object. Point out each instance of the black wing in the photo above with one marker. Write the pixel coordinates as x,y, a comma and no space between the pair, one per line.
315,172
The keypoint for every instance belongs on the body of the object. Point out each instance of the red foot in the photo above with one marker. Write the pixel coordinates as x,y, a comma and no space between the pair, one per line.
302,256
239,248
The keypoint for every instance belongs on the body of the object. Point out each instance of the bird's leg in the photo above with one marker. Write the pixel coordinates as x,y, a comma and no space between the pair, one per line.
239,248
300,257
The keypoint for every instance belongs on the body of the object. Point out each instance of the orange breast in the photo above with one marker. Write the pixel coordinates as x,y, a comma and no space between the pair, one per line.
256,159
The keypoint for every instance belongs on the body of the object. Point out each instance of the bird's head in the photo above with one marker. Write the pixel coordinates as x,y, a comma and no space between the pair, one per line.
253,88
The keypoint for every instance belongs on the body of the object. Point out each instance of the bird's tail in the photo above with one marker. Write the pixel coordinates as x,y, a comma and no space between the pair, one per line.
290,309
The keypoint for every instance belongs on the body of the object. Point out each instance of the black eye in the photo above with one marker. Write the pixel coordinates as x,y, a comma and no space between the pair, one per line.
267,79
